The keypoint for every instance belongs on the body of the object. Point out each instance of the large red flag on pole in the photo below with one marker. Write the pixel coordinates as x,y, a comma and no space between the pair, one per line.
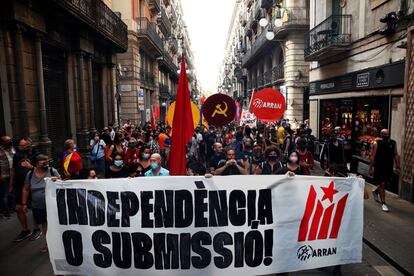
183,125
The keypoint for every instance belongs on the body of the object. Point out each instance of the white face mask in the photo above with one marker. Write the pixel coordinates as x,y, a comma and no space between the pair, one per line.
293,159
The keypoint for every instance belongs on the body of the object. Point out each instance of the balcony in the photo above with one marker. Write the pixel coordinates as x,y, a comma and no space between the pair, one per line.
278,73
100,18
149,36
172,15
167,64
266,4
154,6
163,23
167,3
146,78
330,37
174,46
249,3
243,20
293,19
259,45
164,91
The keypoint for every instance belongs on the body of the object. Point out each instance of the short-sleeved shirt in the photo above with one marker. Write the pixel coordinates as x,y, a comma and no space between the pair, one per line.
230,170
6,162
38,187
19,170
162,172
215,159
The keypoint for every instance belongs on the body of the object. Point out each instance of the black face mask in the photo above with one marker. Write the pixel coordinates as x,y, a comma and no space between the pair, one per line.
272,158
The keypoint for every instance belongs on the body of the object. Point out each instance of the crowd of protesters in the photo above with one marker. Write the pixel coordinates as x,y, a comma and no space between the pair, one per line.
133,151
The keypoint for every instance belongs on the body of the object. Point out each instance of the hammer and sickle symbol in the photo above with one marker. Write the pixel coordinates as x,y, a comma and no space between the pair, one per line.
220,111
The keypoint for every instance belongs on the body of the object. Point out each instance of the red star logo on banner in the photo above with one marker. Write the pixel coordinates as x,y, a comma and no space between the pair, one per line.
329,192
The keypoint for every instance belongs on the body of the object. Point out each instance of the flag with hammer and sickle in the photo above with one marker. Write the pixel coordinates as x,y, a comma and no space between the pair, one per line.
219,110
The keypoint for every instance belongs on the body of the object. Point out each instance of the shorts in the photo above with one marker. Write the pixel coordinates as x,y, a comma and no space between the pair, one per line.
18,193
39,215
382,175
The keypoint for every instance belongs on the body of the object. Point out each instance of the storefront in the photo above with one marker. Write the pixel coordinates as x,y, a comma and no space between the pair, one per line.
361,104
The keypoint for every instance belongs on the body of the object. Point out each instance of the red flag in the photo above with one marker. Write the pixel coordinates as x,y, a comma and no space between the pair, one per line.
183,126
156,111
251,99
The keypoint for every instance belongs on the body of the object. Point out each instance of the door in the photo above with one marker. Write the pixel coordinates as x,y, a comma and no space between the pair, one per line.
55,81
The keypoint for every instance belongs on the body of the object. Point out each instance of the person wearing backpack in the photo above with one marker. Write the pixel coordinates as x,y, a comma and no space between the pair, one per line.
35,184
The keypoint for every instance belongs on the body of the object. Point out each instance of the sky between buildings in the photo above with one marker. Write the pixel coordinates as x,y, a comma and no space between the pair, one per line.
207,24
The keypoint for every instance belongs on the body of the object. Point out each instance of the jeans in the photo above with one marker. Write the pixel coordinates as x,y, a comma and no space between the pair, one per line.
4,193
99,167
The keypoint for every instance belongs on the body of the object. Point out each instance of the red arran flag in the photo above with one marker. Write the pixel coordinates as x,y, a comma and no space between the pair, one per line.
317,221
183,125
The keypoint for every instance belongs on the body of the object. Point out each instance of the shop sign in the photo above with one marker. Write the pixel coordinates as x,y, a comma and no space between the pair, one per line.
390,75
362,80
140,96
125,87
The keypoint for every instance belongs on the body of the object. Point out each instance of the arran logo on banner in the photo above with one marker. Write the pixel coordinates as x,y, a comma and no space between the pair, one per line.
318,222
258,103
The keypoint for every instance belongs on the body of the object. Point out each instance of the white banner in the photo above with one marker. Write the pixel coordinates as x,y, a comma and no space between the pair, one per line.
234,225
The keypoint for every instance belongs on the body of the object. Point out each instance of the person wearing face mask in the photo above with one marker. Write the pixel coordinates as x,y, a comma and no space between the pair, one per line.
384,155
35,184
6,167
305,157
257,158
70,160
97,154
117,169
23,162
156,169
272,164
144,158
131,153
293,165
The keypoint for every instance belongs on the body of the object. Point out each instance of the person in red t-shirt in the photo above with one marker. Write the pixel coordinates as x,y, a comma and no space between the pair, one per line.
305,157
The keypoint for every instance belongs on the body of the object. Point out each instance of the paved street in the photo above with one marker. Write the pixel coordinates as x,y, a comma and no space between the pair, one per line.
391,233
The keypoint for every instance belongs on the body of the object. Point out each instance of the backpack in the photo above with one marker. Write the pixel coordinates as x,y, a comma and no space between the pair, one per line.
32,170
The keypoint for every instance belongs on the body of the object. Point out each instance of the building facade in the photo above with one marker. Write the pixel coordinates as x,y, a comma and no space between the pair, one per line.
357,51
265,49
57,60
148,71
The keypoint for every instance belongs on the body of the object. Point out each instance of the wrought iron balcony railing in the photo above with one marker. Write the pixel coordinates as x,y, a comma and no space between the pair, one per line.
332,35
167,63
257,46
146,77
293,17
164,23
266,4
172,15
147,30
99,17
164,91
278,72
174,46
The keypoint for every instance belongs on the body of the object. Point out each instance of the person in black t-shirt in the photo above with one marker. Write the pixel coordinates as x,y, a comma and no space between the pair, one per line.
384,154
292,165
217,157
23,162
230,166
272,163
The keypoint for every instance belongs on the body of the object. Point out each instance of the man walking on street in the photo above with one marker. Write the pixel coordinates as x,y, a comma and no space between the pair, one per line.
384,154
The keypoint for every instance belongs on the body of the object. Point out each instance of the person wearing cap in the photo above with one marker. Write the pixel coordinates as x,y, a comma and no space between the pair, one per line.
35,184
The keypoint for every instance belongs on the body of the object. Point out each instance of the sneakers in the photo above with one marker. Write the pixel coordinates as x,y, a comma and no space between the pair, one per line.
35,234
385,207
23,235
375,195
